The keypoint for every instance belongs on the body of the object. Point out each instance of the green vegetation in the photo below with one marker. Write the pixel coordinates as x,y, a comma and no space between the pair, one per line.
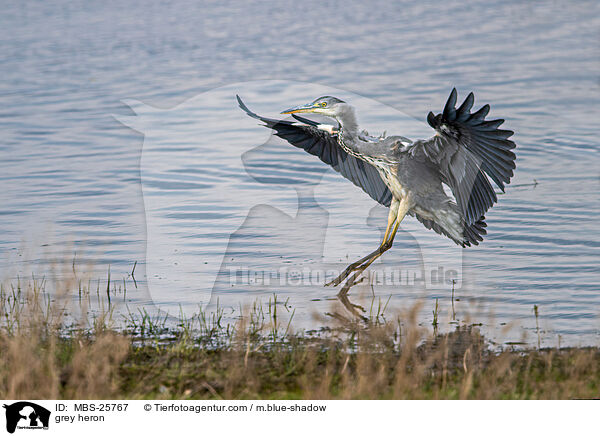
42,356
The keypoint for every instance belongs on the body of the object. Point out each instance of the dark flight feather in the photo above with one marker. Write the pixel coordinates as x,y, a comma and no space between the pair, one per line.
325,146
468,149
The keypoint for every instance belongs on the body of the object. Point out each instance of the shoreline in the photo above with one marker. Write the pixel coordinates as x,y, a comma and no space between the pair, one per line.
260,357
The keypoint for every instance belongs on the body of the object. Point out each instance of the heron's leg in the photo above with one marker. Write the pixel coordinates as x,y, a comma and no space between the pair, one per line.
386,245
393,213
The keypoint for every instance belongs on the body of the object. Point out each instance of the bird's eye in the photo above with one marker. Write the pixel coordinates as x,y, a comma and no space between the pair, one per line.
323,103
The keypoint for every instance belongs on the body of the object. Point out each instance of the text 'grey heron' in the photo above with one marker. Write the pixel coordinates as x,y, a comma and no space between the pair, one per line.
408,176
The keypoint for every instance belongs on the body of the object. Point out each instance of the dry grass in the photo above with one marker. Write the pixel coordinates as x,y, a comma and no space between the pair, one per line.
44,357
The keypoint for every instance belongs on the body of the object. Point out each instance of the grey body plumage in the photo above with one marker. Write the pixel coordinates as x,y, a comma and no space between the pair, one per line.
409,177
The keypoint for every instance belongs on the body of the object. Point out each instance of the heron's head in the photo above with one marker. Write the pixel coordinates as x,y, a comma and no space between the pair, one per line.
327,105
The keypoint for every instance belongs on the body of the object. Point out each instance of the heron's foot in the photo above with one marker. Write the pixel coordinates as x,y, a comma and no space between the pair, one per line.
361,264
352,281
349,270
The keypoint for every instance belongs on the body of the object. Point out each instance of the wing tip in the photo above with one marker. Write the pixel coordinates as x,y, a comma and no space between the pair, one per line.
449,109
431,119
251,114
241,104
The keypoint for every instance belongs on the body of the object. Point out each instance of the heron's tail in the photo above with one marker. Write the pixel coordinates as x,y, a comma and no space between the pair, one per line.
449,222
474,233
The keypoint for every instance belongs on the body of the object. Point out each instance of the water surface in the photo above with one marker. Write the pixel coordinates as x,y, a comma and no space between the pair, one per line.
198,190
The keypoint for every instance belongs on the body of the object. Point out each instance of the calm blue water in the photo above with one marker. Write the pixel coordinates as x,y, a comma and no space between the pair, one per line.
198,192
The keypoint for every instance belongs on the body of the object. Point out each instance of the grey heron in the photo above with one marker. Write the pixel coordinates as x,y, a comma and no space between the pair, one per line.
409,176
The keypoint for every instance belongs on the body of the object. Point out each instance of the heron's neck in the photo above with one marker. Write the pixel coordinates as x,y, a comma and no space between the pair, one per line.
347,119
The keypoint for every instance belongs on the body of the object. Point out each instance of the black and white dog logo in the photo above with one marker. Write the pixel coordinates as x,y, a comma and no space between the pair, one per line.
26,415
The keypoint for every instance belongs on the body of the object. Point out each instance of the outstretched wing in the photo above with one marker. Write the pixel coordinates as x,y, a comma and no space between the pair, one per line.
306,135
467,149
